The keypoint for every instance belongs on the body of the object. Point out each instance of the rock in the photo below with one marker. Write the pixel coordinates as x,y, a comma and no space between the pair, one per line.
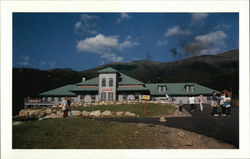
189,143
52,116
17,123
129,114
95,113
85,113
41,114
48,111
162,119
181,134
119,113
22,113
53,110
107,113
76,113
59,113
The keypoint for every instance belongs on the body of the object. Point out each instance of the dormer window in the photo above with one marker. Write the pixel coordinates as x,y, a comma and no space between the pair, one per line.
189,88
162,88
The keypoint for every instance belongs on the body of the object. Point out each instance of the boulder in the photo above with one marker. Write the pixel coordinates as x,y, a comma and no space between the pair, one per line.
76,113
17,123
85,113
52,116
119,113
129,114
59,113
48,111
162,119
107,113
22,113
181,134
95,113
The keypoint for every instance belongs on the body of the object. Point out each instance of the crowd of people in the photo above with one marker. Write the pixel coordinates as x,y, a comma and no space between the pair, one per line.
222,101
66,107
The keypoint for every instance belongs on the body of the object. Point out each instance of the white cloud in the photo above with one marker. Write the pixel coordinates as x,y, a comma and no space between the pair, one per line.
101,44
198,18
86,24
25,60
176,30
160,43
105,46
223,26
112,57
210,43
122,17
49,63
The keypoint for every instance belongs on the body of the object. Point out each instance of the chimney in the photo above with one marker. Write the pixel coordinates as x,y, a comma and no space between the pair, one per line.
83,79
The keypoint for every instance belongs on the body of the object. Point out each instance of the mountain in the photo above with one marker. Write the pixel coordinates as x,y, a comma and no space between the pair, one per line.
219,72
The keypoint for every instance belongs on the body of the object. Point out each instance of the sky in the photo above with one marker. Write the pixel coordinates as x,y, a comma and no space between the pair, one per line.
83,41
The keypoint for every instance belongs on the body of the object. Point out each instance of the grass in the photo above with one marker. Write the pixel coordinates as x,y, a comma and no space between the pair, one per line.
154,110
79,134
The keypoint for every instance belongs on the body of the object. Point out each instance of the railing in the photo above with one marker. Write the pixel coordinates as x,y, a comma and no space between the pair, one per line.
37,102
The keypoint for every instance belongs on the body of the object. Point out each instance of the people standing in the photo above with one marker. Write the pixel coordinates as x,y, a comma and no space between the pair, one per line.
64,107
180,105
227,105
69,107
214,104
201,101
191,101
222,99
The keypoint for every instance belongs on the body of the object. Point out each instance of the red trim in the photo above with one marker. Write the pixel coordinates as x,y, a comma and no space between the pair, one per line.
131,86
87,86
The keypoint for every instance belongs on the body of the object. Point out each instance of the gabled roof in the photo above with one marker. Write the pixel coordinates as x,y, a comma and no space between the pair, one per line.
124,80
61,91
132,89
90,82
107,70
178,89
87,89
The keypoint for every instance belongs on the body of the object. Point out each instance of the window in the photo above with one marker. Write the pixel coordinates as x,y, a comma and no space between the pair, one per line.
103,82
189,88
52,99
81,97
103,96
125,97
93,98
110,96
162,88
111,82
137,96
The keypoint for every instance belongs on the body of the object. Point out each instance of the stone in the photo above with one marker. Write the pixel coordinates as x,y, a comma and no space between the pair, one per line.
59,113
85,113
48,111
95,113
76,113
107,113
189,143
181,134
22,113
129,114
53,110
119,113
17,123
162,119
52,116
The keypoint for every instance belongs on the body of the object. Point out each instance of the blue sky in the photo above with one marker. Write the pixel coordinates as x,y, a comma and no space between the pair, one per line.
82,41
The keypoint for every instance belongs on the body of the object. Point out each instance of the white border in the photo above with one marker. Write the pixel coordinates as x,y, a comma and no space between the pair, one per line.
8,7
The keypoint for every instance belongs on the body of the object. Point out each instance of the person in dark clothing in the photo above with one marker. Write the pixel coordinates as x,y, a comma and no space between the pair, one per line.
214,104
180,106
69,107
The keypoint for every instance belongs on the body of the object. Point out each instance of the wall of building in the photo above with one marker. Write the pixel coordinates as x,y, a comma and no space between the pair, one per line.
106,89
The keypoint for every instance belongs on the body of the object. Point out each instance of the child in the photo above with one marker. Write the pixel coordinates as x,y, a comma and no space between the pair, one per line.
180,106
227,105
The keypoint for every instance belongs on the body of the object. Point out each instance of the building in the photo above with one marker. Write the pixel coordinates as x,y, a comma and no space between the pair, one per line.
112,85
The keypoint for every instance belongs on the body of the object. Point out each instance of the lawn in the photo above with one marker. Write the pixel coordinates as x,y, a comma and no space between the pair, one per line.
80,134
154,110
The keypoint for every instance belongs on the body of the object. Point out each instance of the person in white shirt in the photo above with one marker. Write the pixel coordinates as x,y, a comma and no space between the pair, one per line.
201,101
191,101
227,105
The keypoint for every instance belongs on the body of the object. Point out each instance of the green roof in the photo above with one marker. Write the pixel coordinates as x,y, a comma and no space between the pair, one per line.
178,89
107,70
80,89
61,91
132,89
90,82
124,80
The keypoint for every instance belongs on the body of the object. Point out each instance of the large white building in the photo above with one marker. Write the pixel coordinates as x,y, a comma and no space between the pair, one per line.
111,85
